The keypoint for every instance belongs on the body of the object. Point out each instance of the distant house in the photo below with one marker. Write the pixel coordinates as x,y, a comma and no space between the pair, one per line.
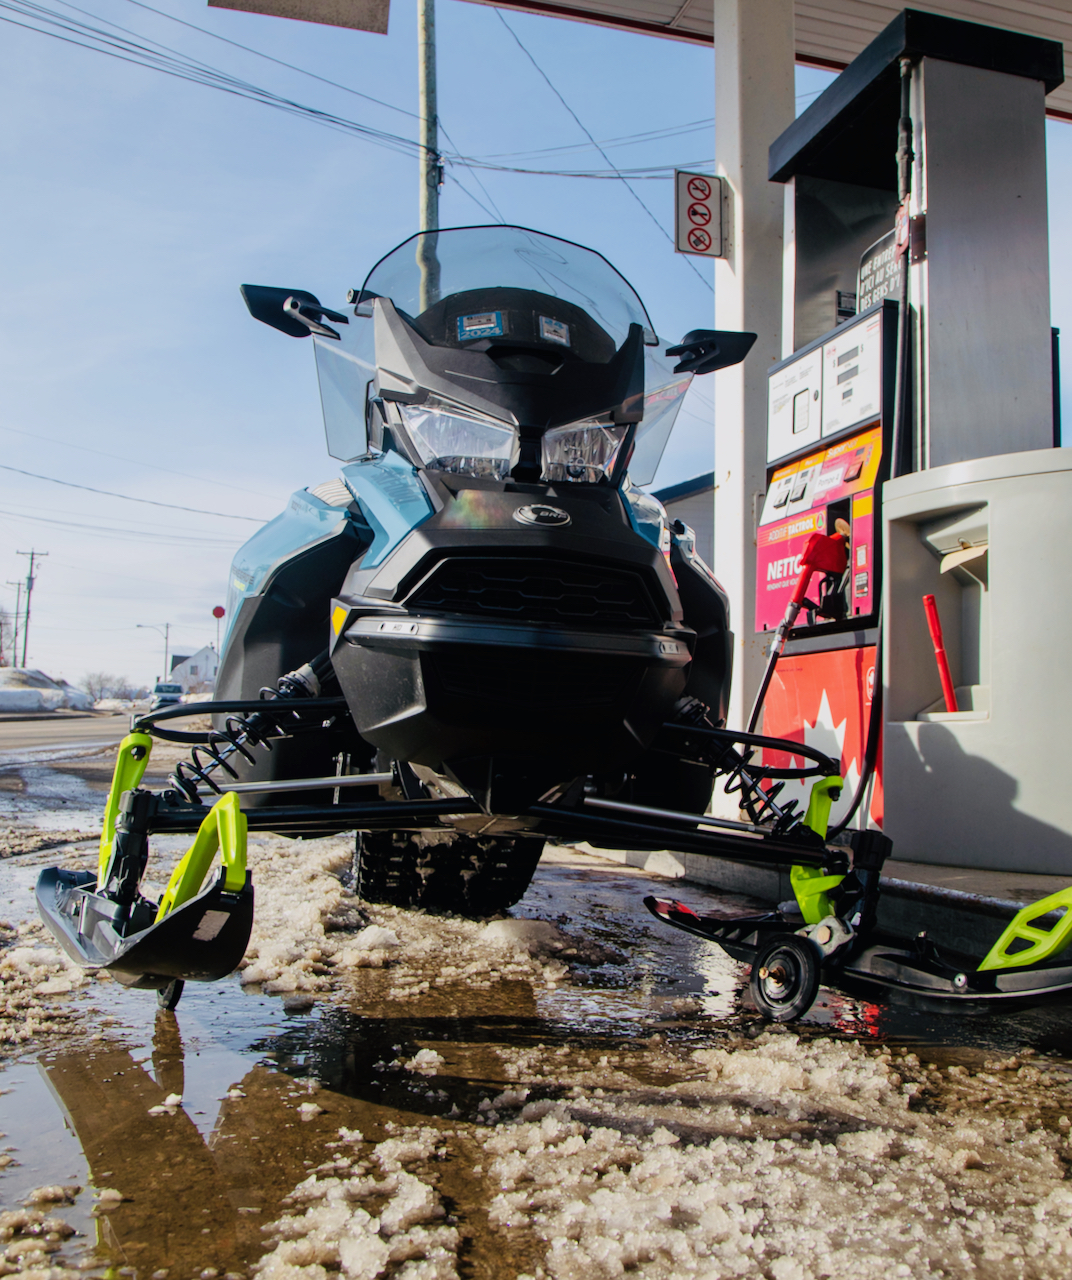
196,673
694,502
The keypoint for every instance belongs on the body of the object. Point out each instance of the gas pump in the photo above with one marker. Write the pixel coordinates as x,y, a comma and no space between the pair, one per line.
915,189
829,427
914,508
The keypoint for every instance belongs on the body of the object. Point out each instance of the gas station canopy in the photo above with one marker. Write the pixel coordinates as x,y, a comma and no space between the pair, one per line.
829,33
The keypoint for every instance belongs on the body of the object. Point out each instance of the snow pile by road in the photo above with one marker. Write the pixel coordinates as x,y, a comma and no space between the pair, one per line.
789,1159
366,1226
25,689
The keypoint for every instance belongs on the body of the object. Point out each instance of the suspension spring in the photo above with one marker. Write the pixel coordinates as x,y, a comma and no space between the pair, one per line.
760,805
241,733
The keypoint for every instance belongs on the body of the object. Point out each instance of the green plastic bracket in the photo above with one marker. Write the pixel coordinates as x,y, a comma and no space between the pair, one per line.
1044,942
129,770
810,887
811,884
223,829
823,794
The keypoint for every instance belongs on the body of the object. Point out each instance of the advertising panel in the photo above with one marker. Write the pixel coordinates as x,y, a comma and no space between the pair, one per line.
823,700
809,496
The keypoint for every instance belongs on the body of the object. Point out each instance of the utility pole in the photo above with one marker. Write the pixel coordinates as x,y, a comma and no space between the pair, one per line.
18,606
30,580
431,174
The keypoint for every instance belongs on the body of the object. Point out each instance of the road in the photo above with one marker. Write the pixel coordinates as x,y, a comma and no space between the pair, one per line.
20,736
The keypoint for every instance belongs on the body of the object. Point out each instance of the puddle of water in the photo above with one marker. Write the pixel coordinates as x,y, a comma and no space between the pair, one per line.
50,800
201,1178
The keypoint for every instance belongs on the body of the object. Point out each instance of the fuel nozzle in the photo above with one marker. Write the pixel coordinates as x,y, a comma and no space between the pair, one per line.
825,553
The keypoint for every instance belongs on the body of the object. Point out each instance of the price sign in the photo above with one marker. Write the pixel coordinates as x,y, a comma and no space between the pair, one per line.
881,267
698,214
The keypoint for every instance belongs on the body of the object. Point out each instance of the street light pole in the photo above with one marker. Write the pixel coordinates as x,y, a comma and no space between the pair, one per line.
431,174
165,630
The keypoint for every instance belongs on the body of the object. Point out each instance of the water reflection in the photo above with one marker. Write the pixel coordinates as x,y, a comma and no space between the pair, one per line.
188,1202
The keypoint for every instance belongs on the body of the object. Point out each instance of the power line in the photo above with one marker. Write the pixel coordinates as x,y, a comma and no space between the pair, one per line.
149,502
587,134
181,66
124,535
266,56
171,62
625,140
652,172
152,466
476,178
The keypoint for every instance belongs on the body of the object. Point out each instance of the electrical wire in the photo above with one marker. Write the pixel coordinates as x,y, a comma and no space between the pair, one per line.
496,215
588,135
152,466
153,55
266,56
149,502
181,66
126,535
650,172
625,140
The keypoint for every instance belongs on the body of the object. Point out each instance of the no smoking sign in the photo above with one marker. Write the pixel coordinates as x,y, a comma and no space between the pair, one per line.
698,214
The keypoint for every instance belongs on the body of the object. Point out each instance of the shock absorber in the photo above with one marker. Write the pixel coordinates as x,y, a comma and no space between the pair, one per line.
242,733
733,761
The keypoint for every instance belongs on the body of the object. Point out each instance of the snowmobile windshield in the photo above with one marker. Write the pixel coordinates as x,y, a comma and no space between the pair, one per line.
428,270
540,306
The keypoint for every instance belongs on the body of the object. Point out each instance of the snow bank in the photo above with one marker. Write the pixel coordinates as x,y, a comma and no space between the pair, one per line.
311,934
32,972
300,903
366,1226
788,1159
25,689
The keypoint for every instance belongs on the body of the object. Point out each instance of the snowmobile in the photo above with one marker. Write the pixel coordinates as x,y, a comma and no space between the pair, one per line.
481,635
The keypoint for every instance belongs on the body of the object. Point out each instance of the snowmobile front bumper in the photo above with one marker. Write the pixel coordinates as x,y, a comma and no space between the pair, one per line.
202,940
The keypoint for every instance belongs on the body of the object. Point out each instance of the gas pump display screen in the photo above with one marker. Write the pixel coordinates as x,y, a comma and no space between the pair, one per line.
852,376
810,496
828,389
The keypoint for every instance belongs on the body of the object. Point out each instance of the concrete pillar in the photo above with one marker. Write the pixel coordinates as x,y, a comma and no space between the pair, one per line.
754,103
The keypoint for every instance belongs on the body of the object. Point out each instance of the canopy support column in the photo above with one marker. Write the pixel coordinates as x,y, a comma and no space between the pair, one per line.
754,103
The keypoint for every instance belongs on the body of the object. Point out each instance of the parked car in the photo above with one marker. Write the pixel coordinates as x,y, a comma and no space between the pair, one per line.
165,695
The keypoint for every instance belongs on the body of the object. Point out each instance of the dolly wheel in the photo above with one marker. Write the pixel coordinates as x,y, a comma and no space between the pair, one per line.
168,997
785,978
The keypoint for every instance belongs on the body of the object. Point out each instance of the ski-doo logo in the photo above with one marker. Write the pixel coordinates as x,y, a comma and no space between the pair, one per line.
542,515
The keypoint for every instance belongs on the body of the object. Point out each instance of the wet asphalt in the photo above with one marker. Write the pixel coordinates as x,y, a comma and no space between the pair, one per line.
75,1110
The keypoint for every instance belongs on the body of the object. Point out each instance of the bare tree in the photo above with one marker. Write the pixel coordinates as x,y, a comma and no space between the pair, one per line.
7,633
97,684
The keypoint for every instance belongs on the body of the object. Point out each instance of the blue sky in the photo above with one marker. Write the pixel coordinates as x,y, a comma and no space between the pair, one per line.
136,204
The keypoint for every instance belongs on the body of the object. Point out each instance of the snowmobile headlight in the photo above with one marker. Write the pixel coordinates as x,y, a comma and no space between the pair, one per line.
449,440
582,451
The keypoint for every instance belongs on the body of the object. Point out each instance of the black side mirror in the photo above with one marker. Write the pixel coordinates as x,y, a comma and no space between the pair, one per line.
706,350
291,311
